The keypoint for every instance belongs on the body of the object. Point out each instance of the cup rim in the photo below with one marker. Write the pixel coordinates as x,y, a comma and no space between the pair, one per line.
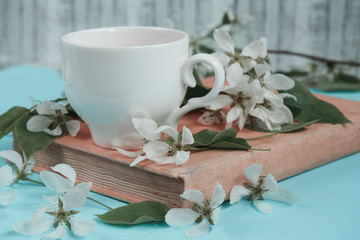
66,38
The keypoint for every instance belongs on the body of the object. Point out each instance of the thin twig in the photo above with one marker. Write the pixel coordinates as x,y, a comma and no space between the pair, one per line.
319,59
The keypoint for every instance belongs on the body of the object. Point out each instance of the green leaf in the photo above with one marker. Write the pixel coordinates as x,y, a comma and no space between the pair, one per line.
199,90
207,137
235,144
225,19
314,108
285,128
136,213
8,119
30,142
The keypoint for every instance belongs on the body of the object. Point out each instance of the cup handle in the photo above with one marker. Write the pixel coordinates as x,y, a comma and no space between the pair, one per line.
190,81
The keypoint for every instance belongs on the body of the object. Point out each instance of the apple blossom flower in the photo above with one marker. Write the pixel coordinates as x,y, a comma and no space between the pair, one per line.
153,148
238,63
52,119
258,189
73,193
204,211
60,217
272,81
22,171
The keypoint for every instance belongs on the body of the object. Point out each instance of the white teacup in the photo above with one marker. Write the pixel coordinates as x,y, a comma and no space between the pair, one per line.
111,73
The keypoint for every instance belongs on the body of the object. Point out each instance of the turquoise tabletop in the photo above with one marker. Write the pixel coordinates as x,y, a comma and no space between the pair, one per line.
329,196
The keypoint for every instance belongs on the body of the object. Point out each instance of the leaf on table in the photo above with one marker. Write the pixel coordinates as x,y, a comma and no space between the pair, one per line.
285,128
8,119
136,213
314,108
30,142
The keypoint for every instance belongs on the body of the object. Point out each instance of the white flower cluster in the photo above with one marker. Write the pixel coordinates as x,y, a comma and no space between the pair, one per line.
174,150
251,90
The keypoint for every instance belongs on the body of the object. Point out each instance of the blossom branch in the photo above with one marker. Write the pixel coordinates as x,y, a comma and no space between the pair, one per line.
316,58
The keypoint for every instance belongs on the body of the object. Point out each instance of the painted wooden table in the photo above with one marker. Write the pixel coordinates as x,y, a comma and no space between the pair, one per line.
329,195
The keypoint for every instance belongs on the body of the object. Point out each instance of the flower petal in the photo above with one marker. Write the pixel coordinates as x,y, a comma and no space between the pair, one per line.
50,199
54,132
76,196
262,206
55,182
137,160
165,160
180,217
170,131
182,157
220,101
198,230
234,74
237,193
282,195
234,114
263,53
224,40
145,125
279,81
287,95
223,58
58,233
216,215
8,197
44,108
130,141
128,153
73,127
253,173
7,176
156,149
66,170
13,157
194,195
27,227
36,217
253,49
261,69
82,226
30,163
59,106
38,123
271,183
207,118
248,64
187,136
218,195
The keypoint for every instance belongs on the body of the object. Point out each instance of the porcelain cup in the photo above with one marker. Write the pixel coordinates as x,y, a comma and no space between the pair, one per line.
112,73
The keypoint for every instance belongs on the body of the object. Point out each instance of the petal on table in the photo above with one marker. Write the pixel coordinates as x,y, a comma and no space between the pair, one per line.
73,127
8,197
58,233
224,40
38,216
82,226
55,182
156,149
129,153
145,125
198,230
180,217
271,183
262,206
194,195
7,176
182,157
237,193
27,227
216,215
75,197
282,195
66,170
13,157
253,173
137,160
170,131
218,195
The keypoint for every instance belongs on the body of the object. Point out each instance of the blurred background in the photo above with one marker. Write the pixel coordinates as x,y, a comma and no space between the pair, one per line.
30,30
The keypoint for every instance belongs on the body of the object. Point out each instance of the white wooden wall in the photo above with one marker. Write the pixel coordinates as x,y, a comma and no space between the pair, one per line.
30,29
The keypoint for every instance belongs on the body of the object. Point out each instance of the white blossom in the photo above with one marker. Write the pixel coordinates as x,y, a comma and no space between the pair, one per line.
258,189
59,218
205,212
22,170
51,119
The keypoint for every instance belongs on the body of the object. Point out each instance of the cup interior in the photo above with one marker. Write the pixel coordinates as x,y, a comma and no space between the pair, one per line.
121,37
